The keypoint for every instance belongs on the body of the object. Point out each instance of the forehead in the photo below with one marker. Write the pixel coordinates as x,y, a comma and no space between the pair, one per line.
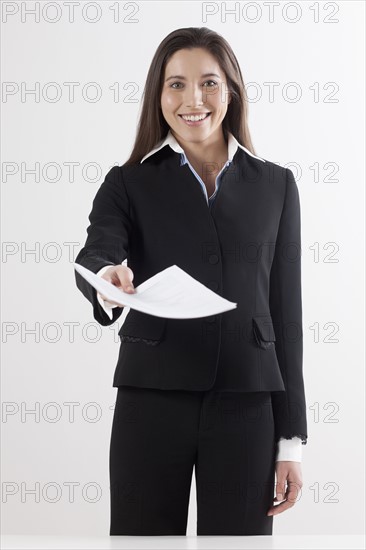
195,61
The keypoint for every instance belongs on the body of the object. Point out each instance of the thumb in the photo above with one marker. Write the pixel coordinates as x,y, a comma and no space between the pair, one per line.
280,488
130,276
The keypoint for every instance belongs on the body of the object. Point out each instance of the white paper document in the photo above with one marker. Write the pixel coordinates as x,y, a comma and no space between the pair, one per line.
172,293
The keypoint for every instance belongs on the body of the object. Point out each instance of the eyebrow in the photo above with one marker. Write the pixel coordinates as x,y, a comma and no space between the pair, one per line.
184,78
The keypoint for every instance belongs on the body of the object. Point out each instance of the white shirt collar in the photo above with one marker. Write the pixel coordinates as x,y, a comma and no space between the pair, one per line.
170,140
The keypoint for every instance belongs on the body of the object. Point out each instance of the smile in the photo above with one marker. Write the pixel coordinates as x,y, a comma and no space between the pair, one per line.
194,120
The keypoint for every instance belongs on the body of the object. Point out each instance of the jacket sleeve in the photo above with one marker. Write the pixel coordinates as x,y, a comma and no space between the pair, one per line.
289,407
107,240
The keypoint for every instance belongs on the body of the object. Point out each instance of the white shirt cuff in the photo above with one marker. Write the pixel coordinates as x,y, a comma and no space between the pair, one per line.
107,306
289,449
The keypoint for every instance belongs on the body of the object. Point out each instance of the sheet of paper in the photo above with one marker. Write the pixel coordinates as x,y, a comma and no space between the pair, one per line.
172,293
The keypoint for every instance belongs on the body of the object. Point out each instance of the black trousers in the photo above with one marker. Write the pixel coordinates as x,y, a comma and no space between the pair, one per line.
159,435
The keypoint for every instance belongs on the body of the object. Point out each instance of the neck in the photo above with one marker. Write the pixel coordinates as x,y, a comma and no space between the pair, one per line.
213,150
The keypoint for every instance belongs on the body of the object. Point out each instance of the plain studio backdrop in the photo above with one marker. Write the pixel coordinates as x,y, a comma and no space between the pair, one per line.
72,80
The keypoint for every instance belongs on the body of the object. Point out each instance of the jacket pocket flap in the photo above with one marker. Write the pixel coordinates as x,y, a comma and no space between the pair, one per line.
263,326
143,325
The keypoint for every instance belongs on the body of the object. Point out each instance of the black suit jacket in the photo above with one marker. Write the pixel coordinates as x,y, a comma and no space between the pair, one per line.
246,247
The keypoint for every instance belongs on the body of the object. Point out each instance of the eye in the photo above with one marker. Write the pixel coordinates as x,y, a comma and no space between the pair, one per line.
214,83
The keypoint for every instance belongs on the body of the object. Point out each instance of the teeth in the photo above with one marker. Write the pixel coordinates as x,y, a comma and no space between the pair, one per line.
195,118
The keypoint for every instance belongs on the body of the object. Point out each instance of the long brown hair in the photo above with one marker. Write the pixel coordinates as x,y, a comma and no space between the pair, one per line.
152,126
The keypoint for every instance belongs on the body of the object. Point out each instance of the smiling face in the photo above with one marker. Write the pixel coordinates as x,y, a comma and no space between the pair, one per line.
194,85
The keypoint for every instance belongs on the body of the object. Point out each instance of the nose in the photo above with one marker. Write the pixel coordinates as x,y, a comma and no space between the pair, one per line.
194,96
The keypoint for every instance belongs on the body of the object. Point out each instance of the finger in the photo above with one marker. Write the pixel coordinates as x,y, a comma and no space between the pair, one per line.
121,281
293,491
290,500
275,510
285,505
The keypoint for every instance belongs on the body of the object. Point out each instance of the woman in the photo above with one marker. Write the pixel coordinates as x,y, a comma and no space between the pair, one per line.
223,394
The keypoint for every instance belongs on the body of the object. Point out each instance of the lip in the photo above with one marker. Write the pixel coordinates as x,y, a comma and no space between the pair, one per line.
195,114
195,123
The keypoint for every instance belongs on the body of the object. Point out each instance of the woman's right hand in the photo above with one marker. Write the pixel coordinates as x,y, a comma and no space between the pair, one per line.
120,276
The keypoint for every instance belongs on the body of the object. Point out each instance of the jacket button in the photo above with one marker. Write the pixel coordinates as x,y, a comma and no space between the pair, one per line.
211,319
214,285
213,259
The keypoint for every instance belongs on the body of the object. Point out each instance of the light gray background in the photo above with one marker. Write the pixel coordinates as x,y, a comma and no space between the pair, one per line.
55,354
